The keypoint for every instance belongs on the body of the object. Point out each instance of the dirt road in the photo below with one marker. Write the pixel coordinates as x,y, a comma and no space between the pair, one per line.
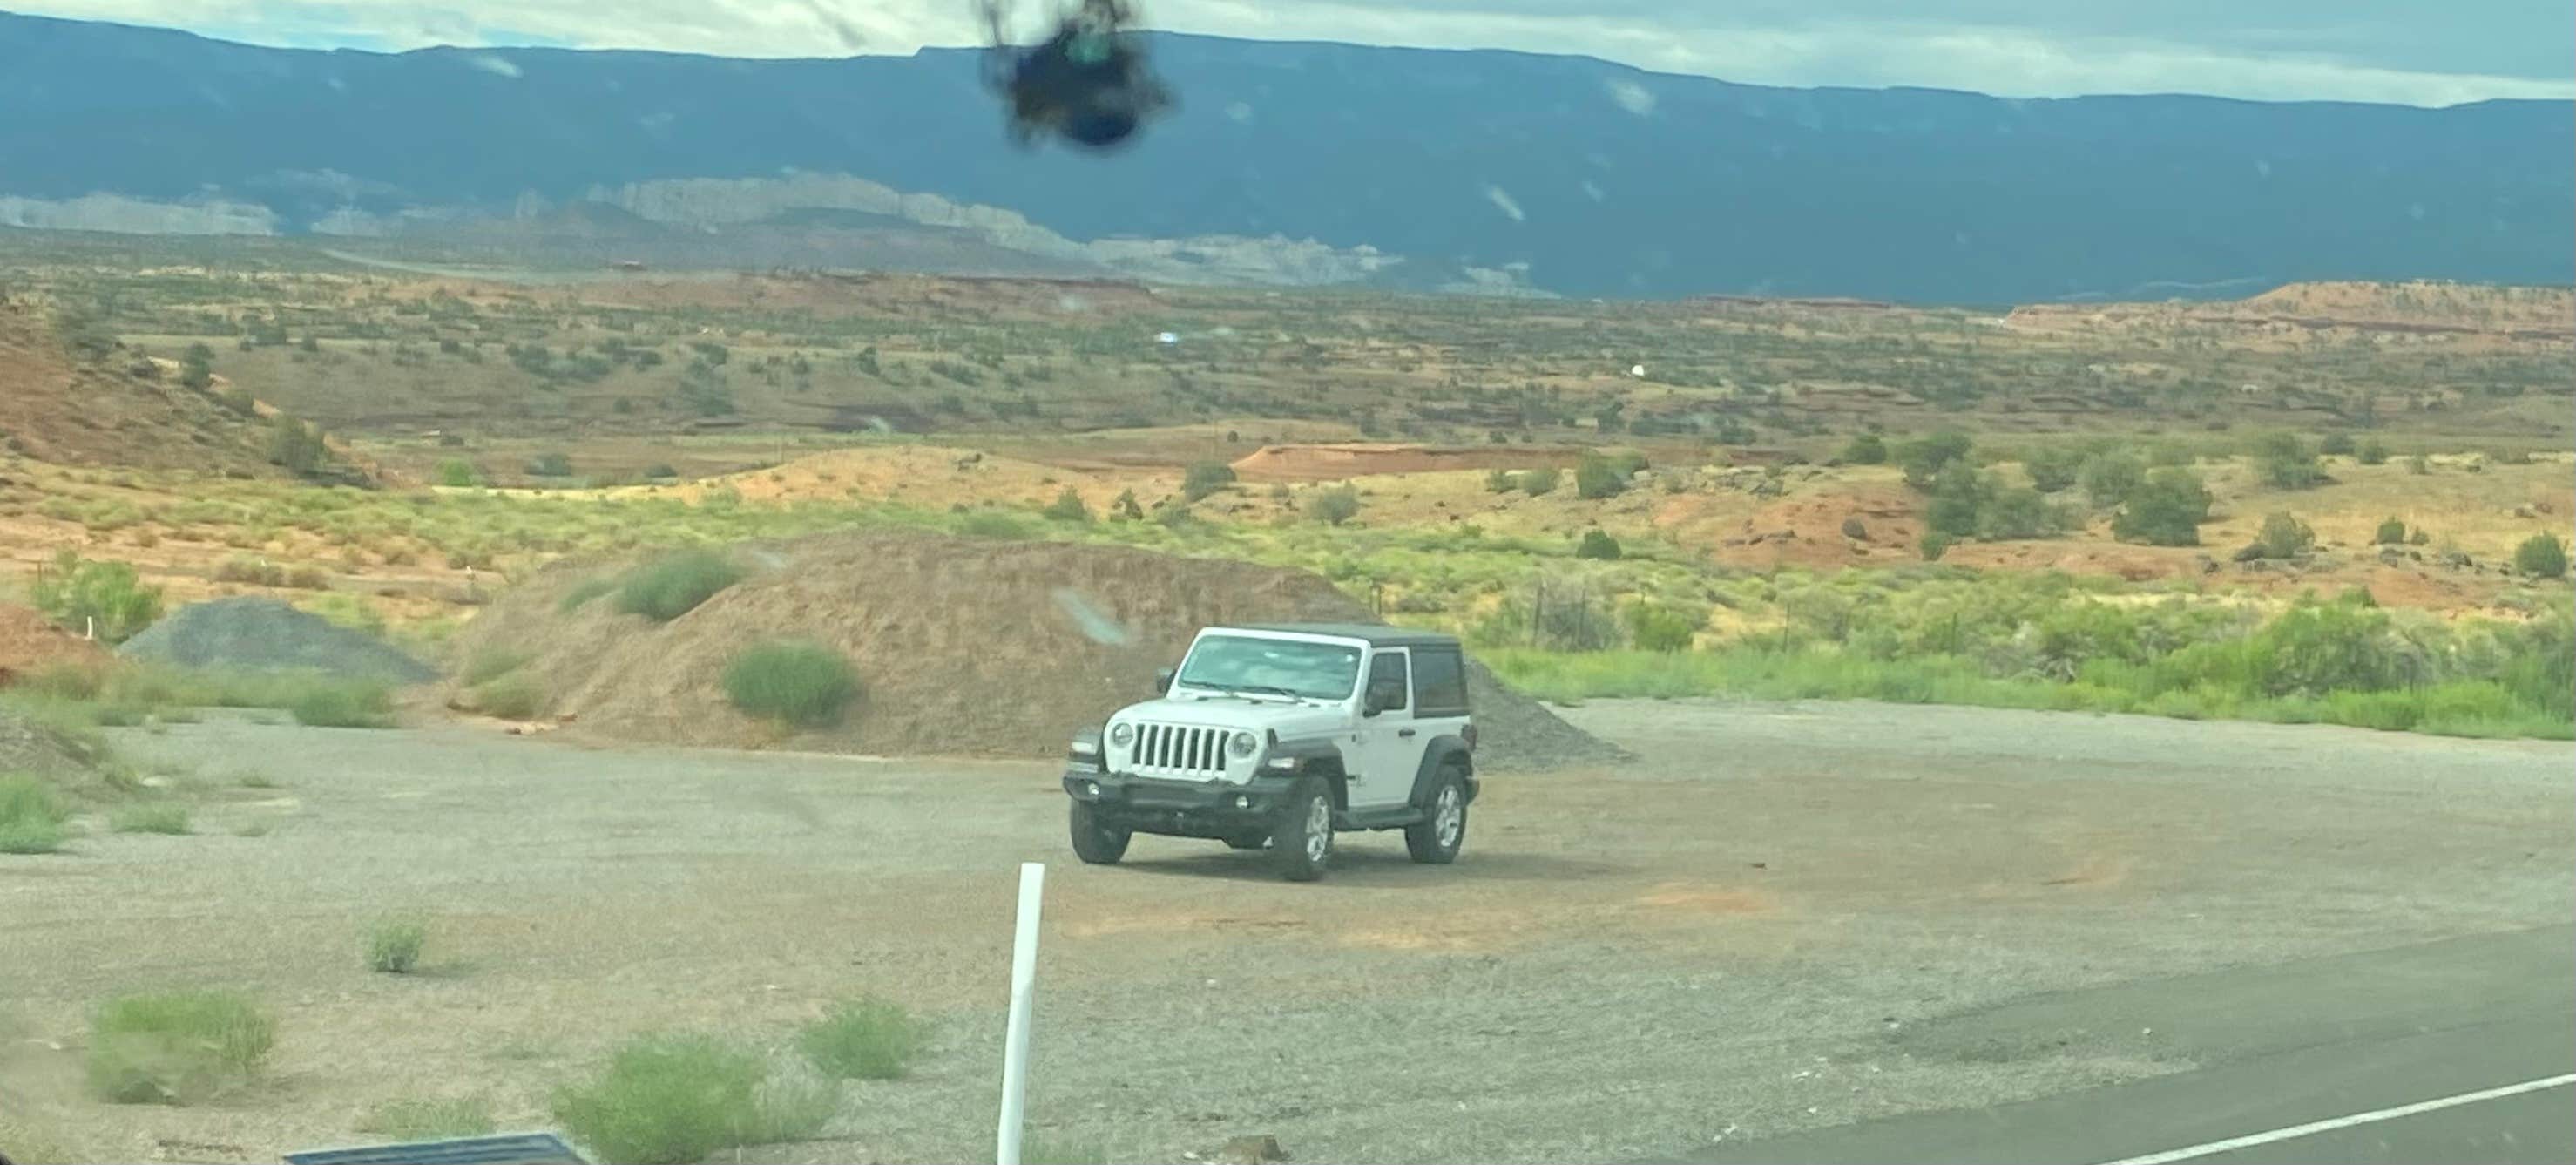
1730,938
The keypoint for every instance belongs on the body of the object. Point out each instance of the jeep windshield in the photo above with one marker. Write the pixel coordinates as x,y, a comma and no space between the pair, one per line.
1272,667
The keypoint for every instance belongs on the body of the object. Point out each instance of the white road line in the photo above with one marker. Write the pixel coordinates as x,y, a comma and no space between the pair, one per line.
2344,1122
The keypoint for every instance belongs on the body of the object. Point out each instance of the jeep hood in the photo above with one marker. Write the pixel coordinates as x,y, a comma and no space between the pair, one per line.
1289,720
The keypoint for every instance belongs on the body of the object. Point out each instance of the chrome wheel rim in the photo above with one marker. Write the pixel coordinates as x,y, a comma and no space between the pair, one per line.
1319,830
1449,819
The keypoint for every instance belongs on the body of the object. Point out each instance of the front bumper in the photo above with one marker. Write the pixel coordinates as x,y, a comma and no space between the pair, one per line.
1214,809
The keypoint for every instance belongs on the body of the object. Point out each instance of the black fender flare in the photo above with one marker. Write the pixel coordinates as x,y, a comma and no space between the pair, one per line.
1320,760
1442,752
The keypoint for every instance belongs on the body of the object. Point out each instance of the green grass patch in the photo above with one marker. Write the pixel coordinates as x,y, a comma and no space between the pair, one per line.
175,1047
163,817
393,945
671,1099
349,704
675,584
804,684
430,1120
863,1039
31,816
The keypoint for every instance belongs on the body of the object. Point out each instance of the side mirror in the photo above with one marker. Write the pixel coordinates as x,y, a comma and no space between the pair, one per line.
1163,681
1382,698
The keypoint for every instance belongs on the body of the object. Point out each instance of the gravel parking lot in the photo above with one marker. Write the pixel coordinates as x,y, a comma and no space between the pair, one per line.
1727,938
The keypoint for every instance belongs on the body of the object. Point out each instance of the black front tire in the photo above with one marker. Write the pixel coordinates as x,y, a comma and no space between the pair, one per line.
1095,841
1303,844
1443,829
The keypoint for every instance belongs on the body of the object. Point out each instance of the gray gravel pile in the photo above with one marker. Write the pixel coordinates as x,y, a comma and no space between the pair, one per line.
265,635
28,747
1516,734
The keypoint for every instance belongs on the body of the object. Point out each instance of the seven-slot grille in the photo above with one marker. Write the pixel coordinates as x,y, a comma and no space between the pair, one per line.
1180,750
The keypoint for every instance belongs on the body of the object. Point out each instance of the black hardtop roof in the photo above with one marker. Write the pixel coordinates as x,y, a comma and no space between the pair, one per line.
1374,635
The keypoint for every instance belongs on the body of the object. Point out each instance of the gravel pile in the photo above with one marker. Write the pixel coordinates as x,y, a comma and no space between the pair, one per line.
964,647
28,747
265,635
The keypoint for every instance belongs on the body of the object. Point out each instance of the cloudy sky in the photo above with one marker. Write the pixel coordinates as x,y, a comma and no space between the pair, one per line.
2412,51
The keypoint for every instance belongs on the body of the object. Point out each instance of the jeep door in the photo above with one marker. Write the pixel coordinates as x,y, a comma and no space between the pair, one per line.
1386,747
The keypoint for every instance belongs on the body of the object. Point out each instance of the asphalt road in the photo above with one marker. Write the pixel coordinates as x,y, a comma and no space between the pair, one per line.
2277,1047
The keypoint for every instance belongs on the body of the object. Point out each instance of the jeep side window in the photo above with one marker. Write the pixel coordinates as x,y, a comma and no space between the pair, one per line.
1439,683
1386,670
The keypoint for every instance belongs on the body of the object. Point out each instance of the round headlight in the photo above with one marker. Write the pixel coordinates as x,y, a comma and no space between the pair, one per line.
1120,734
1242,745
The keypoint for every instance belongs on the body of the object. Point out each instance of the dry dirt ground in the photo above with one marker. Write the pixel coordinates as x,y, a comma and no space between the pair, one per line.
1722,940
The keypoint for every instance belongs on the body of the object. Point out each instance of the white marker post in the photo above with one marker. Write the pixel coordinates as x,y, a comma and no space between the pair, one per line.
1015,1045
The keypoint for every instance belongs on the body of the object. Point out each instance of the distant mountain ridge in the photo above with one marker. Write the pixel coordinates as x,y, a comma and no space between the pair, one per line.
1303,163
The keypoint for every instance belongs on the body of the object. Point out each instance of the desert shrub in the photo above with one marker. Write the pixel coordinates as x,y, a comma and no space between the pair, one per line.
1598,545
309,578
296,446
1596,477
457,472
1855,529
430,1120
2371,452
2018,513
555,464
343,703
2336,445
1866,449
392,945
1067,507
2419,464
1657,627
2285,536
672,1099
1334,506
31,816
2166,510
74,592
245,568
1934,544
2054,468
1540,482
2541,556
2109,478
1126,508
516,696
862,1039
2391,532
175,1047
1956,494
583,594
803,684
163,817
674,584
2284,462
492,663
1925,457
1204,478
1498,482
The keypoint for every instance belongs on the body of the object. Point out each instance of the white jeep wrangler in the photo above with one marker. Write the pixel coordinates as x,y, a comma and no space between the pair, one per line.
1280,736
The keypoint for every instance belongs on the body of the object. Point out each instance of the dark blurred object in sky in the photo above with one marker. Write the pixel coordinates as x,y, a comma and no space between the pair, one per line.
1088,84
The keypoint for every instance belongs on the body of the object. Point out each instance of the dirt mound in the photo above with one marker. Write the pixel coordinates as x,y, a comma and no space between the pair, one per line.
1338,461
93,402
963,647
29,747
1824,531
29,643
262,635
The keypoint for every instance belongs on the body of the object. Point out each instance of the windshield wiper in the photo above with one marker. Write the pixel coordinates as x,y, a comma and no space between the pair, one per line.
1261,689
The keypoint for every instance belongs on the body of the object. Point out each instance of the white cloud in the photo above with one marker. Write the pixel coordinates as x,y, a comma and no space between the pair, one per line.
2000,47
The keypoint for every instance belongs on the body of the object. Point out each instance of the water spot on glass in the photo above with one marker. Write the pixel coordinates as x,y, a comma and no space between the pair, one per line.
1592,190
1240,112
2415,211
2262,169
1503,199
1960,238
493,64
1095,624
1631,96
